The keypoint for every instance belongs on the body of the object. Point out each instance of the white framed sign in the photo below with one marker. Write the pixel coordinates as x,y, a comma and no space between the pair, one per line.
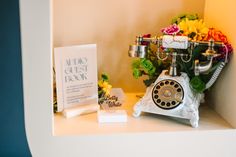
76,75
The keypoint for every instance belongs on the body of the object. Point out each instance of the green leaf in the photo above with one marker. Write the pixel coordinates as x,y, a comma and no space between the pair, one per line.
146,65
105,77
192,35
152,71
136,73
183,16
197,84
192,16
100,93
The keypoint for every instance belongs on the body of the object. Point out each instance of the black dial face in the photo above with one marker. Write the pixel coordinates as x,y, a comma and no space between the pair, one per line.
167,94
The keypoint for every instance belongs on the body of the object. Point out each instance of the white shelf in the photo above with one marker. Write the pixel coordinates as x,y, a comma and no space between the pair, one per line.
88,125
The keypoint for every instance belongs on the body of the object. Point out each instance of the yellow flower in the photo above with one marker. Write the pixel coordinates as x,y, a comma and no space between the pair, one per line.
197,27
106,87
100,83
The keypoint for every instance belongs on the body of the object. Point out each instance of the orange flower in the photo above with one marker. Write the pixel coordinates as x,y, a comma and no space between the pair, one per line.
217,35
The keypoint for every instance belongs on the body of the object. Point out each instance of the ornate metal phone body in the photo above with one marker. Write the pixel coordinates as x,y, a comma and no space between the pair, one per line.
171,94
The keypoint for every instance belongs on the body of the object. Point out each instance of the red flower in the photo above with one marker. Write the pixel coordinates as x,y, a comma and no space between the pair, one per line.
146,36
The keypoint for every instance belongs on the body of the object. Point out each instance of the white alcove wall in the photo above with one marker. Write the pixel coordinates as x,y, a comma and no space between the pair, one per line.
37,45
221,15
113,26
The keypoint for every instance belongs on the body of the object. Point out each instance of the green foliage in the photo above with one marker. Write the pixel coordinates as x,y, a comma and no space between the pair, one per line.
192,16
105,77
103,85
152,71
147,67
179,18
197,84
136,73
143,67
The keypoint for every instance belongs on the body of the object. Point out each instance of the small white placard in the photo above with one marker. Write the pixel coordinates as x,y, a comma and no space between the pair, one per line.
112,116
76,75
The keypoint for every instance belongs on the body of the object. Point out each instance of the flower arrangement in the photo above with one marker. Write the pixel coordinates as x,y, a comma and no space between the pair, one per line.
104,91
104,87
185,25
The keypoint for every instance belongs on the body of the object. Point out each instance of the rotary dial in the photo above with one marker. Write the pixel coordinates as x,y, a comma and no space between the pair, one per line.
167,94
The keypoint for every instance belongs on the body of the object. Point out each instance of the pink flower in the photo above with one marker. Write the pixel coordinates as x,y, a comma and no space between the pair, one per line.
171,30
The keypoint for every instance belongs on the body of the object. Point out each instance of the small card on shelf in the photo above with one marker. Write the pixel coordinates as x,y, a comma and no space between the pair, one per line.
112,116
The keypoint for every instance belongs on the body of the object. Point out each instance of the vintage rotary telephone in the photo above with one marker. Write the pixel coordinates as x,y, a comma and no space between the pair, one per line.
171,93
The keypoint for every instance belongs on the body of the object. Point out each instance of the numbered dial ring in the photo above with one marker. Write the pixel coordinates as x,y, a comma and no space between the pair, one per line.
167,94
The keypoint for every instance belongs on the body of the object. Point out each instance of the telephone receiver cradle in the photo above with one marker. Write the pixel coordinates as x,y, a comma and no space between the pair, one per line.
171,94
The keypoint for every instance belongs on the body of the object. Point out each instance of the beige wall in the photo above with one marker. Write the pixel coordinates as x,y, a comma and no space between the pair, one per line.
113,25
221,14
